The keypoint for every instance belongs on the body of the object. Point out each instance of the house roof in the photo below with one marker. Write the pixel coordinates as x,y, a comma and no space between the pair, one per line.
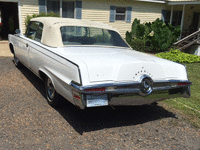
183,2
155,1
173,2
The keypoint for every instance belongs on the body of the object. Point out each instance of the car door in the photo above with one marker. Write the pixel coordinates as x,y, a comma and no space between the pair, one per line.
35,55
30,36
23,49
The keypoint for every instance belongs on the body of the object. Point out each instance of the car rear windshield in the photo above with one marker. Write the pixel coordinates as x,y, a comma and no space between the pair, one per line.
77,35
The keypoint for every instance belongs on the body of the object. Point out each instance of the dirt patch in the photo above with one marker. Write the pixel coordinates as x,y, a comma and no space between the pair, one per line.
4,49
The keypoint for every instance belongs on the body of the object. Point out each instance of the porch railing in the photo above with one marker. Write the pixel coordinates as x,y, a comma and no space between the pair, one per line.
188,40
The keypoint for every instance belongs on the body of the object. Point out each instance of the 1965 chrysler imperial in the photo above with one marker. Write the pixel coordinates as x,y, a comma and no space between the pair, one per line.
90,64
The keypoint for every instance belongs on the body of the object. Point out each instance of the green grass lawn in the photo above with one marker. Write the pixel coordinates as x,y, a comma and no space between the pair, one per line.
191,113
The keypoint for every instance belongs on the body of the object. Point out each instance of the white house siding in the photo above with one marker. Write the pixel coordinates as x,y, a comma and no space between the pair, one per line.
100,11
28,7
96,11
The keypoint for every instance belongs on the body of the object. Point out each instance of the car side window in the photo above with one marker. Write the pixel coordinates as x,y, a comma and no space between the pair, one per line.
34,31
38,35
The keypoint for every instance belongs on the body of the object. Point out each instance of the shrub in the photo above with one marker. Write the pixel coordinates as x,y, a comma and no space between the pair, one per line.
156,35
178,56
43,14
139,45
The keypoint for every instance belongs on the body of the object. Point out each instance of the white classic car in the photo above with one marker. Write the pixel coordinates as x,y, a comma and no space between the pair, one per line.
90,64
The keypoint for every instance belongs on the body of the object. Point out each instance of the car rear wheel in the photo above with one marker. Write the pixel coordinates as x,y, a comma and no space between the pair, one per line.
53,98
17,63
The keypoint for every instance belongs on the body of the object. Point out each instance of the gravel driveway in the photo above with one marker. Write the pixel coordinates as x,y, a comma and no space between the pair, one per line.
28,122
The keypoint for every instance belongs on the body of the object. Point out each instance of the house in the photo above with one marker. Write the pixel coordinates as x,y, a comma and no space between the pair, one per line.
117,13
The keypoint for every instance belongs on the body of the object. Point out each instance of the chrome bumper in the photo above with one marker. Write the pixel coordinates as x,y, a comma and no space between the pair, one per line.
154,97
130,93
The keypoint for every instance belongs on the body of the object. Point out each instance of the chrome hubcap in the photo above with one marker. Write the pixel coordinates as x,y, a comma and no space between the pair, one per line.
50,89
16,60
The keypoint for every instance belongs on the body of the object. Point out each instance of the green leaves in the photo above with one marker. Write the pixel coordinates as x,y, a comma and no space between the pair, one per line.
178,56
128,37
135,25
157,36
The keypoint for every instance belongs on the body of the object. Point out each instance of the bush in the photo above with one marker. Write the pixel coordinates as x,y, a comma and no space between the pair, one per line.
139,45
178,56
156,35
43,14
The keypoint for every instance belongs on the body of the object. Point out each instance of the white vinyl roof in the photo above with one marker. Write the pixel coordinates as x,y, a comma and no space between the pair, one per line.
51,31
49,21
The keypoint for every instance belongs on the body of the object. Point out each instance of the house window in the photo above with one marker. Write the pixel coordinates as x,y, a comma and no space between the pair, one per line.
68,9
53,6
176,19
120,13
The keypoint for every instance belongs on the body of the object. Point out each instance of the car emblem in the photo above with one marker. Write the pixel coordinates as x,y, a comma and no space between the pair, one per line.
146,86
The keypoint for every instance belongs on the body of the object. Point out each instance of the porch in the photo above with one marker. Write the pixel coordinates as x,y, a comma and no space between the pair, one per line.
187,16
184,14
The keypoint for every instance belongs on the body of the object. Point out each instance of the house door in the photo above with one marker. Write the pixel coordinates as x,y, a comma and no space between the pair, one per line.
196,22
9,18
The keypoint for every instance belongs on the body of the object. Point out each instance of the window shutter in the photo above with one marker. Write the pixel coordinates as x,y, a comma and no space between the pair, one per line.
112,13
42,6
78,9
163,16
128,14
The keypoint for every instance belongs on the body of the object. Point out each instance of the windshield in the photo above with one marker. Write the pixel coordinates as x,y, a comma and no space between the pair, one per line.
76,35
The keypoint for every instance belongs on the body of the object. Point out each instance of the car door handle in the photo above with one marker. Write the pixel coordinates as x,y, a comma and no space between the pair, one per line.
26,45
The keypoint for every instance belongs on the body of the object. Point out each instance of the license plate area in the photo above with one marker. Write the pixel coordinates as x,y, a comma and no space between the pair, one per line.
97,100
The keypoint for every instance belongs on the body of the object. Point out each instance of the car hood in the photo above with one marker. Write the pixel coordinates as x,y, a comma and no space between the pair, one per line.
120,64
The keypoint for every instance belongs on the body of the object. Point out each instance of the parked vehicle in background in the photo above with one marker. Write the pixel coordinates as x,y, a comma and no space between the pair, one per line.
90,65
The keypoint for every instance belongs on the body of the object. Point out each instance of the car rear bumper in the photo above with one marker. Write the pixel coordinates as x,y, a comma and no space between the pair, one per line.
156,96
128,93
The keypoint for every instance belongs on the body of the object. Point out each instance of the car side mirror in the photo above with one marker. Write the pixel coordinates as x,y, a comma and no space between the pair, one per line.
17,31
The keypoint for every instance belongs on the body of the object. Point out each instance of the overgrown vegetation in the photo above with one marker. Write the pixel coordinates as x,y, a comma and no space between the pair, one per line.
152,37
43,14
178,56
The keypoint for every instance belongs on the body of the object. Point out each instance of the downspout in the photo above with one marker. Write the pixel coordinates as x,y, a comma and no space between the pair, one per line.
46,6
61,8
19,16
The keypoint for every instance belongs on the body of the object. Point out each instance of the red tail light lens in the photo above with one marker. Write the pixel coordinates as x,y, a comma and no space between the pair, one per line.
183,83
77,97
96,90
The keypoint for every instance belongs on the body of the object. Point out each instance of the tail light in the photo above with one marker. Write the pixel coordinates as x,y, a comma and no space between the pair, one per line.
96,90
77,97
183,83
